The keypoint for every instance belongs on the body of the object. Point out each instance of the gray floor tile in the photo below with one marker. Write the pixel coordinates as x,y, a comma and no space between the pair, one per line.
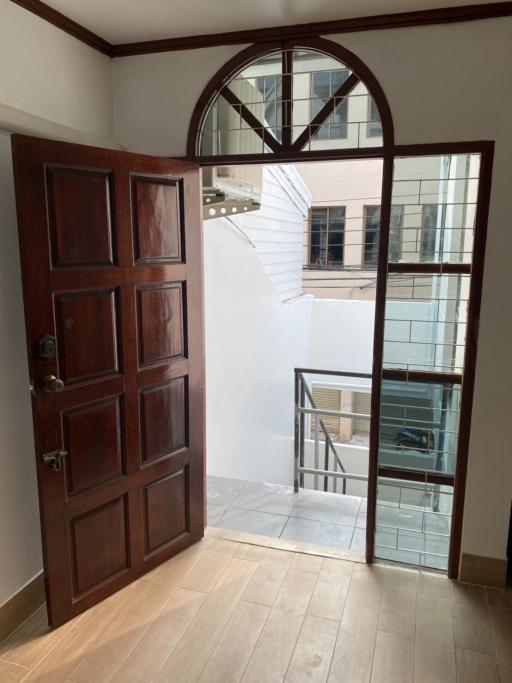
358,543
327,507
319,533
214,513
272,498
252,522
223,490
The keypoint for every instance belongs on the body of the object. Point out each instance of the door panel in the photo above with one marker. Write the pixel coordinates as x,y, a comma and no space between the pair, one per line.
111,252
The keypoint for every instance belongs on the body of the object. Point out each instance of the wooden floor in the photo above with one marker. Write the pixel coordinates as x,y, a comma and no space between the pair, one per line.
227,611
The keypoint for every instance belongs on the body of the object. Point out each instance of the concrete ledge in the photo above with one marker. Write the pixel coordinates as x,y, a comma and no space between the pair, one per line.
21,606
485,571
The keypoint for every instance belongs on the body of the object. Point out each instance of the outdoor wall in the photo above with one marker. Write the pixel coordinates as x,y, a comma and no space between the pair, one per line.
276,229
253,343
20,544
444,83
48,73
342,335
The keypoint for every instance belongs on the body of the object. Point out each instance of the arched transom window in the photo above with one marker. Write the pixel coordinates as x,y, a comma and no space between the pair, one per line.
290,100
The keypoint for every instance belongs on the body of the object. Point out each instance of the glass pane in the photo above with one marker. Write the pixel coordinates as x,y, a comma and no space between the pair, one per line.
413,523
439,195
318,249
371,233
336,239
257,93
425,322
419,425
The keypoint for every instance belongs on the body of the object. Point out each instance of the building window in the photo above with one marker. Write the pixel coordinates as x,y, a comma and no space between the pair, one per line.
374,129
327,236
371,234
431,216
324,84
271,89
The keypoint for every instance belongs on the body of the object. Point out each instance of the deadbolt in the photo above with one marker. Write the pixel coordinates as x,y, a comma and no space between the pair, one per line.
54,459
52,384
47,347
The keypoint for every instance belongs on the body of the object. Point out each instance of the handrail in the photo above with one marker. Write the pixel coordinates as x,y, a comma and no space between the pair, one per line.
321,422
328,441
303,393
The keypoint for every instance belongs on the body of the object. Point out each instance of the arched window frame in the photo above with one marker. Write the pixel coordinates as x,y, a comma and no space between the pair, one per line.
388,151
289,149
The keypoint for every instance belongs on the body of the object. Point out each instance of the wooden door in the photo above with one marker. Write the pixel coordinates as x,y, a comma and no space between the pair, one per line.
111,252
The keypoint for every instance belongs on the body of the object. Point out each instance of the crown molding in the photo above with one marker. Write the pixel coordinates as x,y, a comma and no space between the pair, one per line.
445,15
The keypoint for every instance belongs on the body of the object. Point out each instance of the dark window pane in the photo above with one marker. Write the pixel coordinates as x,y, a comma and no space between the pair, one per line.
336,235
429,217
318,236
371,235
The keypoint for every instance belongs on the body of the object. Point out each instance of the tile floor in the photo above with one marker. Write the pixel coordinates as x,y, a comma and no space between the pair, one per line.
326,519
225,611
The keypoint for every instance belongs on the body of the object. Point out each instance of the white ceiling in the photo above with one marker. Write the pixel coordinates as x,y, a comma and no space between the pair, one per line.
123,21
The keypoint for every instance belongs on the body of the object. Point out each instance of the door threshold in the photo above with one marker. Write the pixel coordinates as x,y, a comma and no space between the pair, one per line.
284,544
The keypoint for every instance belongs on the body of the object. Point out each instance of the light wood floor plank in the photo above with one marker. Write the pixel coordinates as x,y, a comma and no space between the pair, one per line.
296,591
150,653
393,659
206,571
434,584
60,661
233,651
274,650
502,629
268,577
434,656
12,673
471,618
33,639
313,653
331,589
353,654
397,609
197,642
476,667
307,563
149,595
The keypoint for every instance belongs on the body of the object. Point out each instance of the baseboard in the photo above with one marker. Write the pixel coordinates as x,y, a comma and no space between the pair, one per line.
21,606
486,571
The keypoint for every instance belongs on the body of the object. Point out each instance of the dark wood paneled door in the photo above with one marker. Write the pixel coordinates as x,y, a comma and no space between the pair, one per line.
111,252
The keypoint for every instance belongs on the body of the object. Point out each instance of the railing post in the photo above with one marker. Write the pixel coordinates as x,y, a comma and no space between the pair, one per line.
326,465
298,437
317,449
302,425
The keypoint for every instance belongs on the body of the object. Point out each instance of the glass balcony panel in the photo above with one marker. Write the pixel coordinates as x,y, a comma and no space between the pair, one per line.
419,426
439,195
413,523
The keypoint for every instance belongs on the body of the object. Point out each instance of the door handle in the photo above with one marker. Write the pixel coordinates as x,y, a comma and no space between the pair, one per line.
54,459
52,384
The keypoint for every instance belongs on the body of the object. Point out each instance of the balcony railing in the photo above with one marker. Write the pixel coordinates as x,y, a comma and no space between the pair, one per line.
328,463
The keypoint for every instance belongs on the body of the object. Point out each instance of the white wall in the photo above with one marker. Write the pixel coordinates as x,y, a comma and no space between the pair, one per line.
253,342
48,73
342,335
20,545
45,74
444,83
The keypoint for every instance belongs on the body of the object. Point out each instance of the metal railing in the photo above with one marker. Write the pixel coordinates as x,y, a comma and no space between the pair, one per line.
303,394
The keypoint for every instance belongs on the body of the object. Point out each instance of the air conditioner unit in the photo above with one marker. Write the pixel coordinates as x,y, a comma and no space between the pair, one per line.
230,190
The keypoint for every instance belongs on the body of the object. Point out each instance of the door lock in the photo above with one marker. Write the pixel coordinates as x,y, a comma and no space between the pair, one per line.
47,347
54,459
52,384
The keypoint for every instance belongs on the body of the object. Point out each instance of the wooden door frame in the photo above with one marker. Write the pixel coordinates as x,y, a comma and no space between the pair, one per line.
388,153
